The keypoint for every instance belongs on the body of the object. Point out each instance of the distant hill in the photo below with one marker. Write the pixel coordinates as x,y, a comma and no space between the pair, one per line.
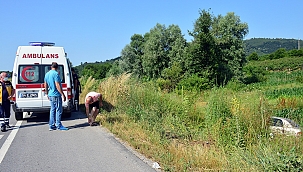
267,45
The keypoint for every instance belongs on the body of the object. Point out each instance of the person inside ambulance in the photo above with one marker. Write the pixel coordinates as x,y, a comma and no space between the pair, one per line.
77,87
6,93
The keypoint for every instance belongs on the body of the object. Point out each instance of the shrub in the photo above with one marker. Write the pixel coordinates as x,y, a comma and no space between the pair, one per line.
254,74
295,53
275,159
235,85
253,56
280,53
164,84
194,83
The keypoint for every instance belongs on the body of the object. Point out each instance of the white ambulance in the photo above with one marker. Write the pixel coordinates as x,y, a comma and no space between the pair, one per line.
31,64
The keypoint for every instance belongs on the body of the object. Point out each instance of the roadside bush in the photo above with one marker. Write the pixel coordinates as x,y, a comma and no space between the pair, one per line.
275,159
235,85
165,84
170,77
286,63
253,74
194,83
295,53
280,53
253,56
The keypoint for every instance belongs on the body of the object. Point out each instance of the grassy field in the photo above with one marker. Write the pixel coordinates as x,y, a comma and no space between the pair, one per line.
222,129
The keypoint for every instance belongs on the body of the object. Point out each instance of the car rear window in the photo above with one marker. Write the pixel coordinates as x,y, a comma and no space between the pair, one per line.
36,73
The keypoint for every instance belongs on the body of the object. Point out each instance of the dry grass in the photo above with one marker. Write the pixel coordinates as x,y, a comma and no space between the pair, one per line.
204,153
175,155
113,87
86,88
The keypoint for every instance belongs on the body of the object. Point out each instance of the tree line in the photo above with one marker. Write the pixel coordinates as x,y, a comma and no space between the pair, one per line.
215,55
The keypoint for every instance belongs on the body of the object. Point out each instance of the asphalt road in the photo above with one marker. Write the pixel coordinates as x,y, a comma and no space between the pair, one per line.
29,147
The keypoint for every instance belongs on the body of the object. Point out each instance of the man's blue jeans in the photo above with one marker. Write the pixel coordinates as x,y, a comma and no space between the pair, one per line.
55,112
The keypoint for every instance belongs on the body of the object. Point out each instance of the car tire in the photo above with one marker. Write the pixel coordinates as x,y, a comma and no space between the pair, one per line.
19,116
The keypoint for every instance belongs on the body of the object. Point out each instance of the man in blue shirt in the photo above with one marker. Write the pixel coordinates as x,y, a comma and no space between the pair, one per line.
53,89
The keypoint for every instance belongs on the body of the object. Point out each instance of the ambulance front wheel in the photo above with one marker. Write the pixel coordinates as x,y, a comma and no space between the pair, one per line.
19,116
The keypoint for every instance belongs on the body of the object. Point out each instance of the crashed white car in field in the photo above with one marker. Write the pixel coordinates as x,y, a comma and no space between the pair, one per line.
284,126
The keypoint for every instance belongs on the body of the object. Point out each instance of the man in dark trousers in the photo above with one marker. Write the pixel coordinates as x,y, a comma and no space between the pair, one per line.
6,93
77,88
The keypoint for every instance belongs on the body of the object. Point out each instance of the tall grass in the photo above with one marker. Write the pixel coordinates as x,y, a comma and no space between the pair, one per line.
219,129
88,84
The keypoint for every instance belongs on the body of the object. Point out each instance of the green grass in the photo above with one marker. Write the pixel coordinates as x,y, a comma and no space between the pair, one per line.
222,129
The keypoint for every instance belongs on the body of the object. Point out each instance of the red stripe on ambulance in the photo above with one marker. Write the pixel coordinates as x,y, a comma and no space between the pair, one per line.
21,86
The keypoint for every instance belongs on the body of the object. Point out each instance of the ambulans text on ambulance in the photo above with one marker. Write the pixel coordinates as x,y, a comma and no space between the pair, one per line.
48,56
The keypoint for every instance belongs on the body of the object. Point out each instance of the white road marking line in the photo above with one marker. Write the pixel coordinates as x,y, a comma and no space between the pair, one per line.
1,136
9,141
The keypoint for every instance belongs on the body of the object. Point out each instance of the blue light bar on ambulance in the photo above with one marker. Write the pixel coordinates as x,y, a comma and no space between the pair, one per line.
41,43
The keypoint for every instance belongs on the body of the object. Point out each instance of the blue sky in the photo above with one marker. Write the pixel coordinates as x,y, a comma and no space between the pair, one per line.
97,30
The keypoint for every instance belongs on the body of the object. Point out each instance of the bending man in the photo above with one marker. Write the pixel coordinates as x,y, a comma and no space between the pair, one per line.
93,102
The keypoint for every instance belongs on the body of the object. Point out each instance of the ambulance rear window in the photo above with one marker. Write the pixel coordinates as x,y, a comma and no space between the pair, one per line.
60,71
36,73
29,74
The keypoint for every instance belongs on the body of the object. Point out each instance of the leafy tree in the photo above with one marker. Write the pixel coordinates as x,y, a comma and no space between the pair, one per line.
115,69
171,75
217,51
131,55
97,70
162,47
127,59
201,57
156,48
229,33
88,70
177,45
